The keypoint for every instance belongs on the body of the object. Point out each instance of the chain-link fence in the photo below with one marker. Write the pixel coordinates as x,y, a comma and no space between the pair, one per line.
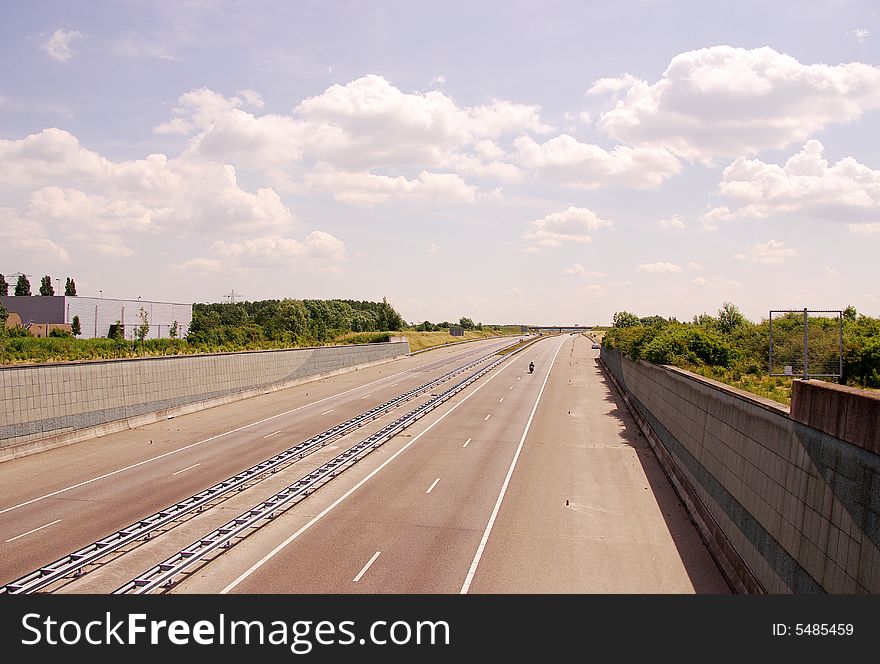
806,343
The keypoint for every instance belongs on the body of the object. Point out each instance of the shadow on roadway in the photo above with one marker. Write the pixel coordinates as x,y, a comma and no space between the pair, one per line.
693,552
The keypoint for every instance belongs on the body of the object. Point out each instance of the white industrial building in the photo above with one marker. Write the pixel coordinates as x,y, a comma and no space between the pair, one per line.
97,314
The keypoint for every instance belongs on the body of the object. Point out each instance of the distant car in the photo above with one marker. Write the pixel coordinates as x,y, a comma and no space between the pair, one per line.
595,346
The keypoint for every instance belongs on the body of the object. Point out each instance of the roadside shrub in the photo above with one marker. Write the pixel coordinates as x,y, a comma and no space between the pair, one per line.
671,343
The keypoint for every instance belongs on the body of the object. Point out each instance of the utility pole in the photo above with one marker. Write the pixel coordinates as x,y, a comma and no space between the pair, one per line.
232,296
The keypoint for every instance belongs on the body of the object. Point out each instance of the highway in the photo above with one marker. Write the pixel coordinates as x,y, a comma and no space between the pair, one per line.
475,501
59,500
522,483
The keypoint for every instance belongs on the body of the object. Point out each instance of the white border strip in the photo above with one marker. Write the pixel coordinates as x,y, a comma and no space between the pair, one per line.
12,539
366,567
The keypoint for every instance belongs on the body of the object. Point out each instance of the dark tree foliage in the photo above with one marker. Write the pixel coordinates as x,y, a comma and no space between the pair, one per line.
22,286
289,321
4,286
626,319
46,286
75,326
731,341
70,287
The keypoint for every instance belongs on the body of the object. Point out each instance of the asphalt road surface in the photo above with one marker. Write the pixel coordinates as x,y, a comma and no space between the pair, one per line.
57,501
525,483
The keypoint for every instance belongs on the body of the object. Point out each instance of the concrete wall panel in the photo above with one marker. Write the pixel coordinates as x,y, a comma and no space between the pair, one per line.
41,405
799,505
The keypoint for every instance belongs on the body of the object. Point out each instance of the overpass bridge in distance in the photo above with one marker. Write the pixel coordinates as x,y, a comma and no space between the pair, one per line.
558,328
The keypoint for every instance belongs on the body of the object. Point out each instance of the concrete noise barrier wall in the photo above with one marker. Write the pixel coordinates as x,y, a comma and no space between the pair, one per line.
795,505
43,406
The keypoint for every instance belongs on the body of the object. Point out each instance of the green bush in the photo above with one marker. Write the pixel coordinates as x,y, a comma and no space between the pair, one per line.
683,344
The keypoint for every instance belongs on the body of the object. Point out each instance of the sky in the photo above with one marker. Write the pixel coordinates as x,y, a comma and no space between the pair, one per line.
511,162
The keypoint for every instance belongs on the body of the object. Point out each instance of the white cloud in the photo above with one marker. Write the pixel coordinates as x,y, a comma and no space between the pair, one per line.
861,34
29,238
49,157
173,126
201,266
375,124
41,248
319,250
605,86
806,184
369,189
659,268
675,222
229,134
141,47
571,225
71,198
365,126
716,282
112,250
725,101
864,229
566,160
58,46
252,98
73,185
433,248
770,252
579,270
479,167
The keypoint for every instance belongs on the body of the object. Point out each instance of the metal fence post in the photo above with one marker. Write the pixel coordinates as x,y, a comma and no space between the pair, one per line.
806,354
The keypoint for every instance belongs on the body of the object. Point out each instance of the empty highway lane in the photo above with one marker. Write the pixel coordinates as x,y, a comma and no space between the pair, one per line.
524,483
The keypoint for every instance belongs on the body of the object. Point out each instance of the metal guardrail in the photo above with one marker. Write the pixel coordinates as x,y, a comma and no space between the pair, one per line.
458,343
162,575
73,564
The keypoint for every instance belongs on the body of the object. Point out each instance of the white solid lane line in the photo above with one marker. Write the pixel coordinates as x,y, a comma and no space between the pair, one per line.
476,561
466,442
487,417
501,400
510,388
274,552
201,442
366,395
367,566
274,433
12,539
433,484
186,469
327,412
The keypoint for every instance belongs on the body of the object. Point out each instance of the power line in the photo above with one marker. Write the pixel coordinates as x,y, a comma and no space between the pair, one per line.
232,296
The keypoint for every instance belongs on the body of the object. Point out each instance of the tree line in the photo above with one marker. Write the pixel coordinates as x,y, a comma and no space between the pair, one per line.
463,322
23,286
736,346
297,322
